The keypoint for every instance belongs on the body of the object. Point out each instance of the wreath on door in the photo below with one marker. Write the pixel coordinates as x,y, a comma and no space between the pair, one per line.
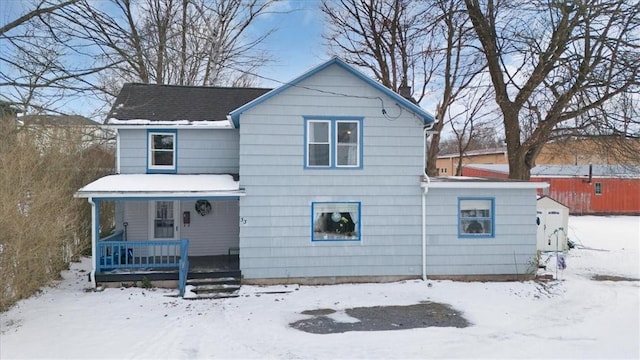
203,207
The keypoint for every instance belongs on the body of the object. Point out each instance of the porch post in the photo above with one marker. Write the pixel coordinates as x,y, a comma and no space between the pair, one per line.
95,236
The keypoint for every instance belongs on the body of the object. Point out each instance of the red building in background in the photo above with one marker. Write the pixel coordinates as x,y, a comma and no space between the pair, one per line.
585,189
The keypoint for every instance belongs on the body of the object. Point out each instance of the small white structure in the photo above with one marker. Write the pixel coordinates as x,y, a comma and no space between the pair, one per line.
553,224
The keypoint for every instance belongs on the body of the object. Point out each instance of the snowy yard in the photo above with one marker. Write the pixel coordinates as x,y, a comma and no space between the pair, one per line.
574,317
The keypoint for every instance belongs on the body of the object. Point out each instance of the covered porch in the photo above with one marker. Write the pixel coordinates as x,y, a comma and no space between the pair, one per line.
168,227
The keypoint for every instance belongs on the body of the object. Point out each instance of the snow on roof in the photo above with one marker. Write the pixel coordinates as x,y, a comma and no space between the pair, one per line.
166,185
501,168
212,124
567,170
491,151
468,182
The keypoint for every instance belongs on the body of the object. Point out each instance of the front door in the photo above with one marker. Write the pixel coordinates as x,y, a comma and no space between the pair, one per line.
163,220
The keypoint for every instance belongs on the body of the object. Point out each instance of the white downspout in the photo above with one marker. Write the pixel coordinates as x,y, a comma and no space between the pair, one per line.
425,190
94,241
117,151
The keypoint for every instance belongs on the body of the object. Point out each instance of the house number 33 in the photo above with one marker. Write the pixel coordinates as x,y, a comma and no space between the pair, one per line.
243,221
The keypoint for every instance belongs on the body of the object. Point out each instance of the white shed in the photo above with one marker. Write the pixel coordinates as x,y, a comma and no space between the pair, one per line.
553,224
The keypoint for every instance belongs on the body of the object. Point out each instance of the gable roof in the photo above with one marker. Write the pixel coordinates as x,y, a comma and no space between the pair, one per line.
546,198
157,103
56,120
400,100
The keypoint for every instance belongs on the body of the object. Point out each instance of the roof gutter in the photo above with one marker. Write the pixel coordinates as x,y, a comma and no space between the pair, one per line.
156,194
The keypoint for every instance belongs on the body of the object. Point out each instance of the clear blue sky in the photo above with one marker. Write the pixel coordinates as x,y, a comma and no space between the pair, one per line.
297,44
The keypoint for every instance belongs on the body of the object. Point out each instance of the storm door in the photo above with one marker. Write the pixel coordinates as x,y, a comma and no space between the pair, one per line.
163,220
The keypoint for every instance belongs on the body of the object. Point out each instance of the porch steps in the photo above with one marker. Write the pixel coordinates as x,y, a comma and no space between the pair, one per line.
212,288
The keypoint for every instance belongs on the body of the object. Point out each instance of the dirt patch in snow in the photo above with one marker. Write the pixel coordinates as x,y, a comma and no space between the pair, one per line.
599,277
380,318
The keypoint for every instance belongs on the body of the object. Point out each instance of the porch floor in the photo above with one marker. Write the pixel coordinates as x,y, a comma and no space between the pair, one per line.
199,267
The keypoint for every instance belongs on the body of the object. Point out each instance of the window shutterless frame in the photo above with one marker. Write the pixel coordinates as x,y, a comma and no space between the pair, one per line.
336,221
333,142
162,151
476,217
318,143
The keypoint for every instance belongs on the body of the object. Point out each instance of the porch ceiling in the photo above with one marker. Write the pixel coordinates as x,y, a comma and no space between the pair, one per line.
161,185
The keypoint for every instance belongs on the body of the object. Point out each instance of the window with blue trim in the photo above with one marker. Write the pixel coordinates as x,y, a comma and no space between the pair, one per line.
335,221
162,151
476,217
333,142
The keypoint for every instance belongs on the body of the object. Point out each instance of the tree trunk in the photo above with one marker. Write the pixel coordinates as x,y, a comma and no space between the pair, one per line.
518,169
434,149
516,152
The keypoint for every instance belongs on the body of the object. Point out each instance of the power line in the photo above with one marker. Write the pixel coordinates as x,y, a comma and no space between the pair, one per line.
328,92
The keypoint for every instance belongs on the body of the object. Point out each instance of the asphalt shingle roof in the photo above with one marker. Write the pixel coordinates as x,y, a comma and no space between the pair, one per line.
174,103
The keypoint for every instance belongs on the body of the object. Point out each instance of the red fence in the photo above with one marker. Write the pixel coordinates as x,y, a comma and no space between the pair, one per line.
598,196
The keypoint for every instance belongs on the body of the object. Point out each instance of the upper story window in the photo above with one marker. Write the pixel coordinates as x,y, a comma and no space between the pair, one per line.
333,142
162,148
476,217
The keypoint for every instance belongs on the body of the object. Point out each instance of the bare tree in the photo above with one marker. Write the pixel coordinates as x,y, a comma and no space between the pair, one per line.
42,227
555,65
458,65
41,8
409,43
179,42
38,71
386,37
66,50
614,131
473,126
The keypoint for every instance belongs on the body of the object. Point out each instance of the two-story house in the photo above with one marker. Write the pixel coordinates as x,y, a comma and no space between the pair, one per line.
318,181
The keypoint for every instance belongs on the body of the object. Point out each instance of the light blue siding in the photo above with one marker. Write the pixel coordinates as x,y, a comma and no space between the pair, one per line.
275,230
511,252
212,234
200,151
133,151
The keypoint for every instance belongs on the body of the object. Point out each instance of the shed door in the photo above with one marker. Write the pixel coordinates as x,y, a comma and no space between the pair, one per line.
548,221
163,220
553,222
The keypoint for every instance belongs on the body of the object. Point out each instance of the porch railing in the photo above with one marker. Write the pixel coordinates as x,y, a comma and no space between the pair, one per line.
143,255
116,236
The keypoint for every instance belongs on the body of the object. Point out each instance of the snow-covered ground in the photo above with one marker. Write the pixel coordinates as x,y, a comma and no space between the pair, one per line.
575,317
